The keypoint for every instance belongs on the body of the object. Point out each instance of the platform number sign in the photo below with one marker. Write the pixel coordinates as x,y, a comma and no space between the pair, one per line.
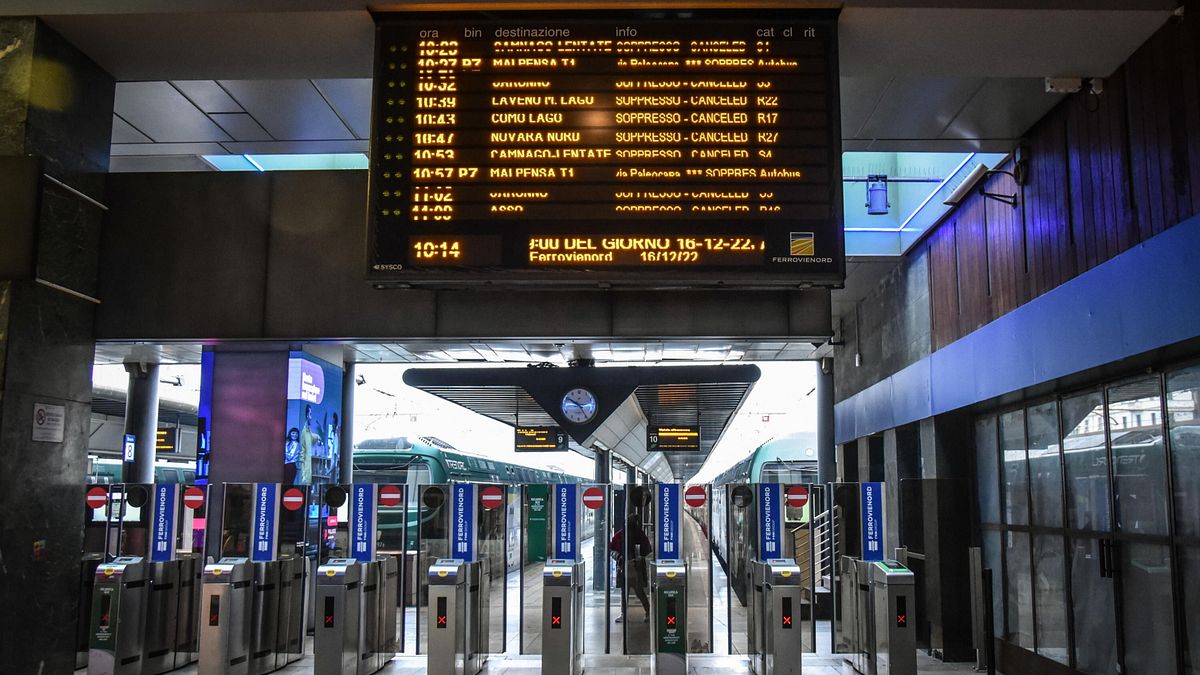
872,522
462,513
667,498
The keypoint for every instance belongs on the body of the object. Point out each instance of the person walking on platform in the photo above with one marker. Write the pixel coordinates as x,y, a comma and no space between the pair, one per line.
634,573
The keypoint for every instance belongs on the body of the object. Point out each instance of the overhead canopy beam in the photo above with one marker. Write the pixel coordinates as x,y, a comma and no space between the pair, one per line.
703,396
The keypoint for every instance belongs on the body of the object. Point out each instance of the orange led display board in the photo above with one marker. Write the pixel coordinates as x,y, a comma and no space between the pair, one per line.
690,147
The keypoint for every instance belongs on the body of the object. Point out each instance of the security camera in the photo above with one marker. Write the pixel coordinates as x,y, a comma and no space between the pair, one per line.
360,380
964,188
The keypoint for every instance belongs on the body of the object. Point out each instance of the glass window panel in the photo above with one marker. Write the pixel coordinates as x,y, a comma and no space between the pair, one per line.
1016,471
1050,594
1138,457
986,471
1045,468
992,561
1092,606
1183,415
1086,462
1147,613
1190,575
1019,595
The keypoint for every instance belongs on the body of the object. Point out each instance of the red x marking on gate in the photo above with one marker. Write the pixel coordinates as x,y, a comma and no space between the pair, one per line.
670,621
441,621
329,620
555,620
787,620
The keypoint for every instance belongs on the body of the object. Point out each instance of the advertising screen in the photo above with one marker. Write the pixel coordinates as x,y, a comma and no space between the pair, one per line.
312,446
696,146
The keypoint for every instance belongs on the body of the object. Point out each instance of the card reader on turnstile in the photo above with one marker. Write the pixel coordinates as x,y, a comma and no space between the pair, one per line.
562,622
118,617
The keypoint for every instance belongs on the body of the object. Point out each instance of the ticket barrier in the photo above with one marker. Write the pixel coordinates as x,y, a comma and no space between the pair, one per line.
356,616
389,589
454,621
668,606
225,606
289,636
264,617
162,617
87,589
562,622
187,626
339,615
877,610
892,592
773,619
118,621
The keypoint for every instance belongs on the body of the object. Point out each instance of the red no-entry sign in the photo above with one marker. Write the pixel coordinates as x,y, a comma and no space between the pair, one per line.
97,498
293,499
389,495
593,498
491,497
694,496
797,496
193,498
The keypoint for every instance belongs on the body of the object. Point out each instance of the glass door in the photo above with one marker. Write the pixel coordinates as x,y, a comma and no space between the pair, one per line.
1089,527
1142,554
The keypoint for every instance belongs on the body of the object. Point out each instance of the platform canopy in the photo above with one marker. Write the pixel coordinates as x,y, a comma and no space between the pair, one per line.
629,401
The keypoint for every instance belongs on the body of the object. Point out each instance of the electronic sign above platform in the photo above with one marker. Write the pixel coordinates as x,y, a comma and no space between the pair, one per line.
665,147
540,439
673,438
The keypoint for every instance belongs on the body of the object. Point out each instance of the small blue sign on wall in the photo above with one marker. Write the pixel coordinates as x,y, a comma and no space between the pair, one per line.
162,541
130,447
668,521
872,522
266,507
362,530
462,515
769,520
565,545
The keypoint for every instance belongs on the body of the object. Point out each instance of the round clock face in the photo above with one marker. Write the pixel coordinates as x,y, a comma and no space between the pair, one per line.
579,405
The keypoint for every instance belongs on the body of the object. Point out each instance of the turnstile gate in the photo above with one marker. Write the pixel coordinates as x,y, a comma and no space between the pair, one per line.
669,609
449,619
877,615
225,607
774,621
562,623
118,622
339,611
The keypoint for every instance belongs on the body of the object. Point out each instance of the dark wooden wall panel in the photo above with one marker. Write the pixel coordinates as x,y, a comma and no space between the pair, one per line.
970,238
943,285
1105,172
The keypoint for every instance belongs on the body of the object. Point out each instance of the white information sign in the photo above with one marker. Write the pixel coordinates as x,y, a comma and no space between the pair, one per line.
49,422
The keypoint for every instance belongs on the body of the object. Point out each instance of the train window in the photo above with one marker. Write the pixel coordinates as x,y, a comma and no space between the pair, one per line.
789,473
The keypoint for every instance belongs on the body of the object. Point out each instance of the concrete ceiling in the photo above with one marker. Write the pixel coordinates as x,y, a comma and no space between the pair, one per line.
516,352
291,76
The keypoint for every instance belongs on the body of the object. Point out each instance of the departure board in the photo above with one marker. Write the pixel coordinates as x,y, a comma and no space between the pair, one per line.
666,147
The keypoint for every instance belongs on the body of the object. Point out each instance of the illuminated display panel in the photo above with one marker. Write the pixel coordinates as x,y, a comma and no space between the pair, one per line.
540,439
699,147
676,438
